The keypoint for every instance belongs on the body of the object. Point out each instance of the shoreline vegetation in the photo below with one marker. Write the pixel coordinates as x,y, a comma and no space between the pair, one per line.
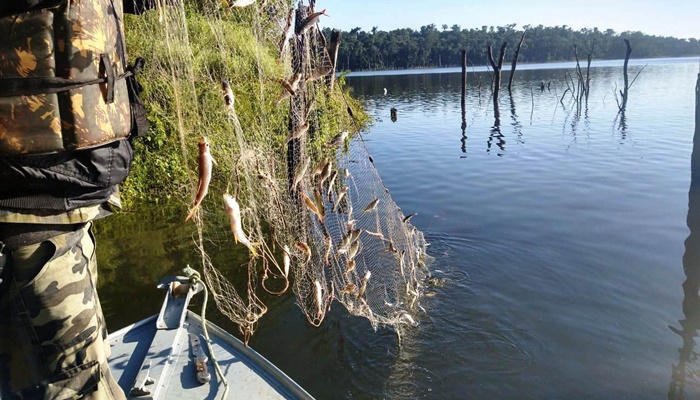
433,47
200,47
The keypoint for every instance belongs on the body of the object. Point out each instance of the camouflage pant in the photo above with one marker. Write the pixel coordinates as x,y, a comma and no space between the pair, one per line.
53,339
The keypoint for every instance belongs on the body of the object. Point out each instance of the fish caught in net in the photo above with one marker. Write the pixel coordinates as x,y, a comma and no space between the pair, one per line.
253,86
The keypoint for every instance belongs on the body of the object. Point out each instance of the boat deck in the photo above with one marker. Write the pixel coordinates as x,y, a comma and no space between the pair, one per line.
141,350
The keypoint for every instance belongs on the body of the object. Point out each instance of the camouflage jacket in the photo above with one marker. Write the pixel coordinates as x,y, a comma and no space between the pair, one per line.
67,101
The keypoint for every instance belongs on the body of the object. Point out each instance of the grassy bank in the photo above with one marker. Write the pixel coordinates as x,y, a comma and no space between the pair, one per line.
188,52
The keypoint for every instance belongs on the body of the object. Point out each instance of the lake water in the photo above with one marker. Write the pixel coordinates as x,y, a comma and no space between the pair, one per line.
561,232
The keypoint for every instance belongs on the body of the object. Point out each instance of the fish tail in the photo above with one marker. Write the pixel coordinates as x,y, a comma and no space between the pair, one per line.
191,214
251,247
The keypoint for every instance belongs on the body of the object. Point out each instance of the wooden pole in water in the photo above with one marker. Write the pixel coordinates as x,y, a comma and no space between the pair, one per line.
624,70
464,79
695,161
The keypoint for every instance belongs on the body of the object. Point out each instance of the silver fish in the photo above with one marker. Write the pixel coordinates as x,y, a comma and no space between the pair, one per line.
205,168
297,134
354,248
318,73
371,206
240,3
365,279
339,139
341,194
228,95
234,212
350,266
287,260
319,297
304,249
408,217
310,21
301,171
284,42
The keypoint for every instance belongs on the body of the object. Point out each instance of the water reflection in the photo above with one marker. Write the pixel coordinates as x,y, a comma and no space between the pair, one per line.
496,135
517,126
685,377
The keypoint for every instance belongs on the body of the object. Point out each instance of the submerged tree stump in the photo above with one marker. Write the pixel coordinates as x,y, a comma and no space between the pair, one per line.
515,62
625,93
497,73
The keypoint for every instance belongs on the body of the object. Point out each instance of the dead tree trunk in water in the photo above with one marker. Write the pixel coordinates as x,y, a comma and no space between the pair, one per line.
464,86
696,137
333,53
515,62
497,71
624,94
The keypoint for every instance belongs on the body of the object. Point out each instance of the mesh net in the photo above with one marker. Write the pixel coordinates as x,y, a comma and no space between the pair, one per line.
305,197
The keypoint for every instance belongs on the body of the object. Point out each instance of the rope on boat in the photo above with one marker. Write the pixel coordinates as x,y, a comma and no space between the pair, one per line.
195,277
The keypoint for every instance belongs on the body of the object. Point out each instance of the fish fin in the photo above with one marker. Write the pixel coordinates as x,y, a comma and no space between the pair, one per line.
191,214
213,160
252,249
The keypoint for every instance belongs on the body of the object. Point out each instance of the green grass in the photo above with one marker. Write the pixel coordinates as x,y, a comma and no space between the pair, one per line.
185,63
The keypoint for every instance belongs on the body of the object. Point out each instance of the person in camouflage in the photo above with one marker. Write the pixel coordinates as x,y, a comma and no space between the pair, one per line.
68,105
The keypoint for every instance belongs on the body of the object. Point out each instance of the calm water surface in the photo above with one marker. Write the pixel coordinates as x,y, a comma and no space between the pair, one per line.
560,232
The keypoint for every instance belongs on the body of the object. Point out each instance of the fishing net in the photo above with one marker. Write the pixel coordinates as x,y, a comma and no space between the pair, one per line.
258,81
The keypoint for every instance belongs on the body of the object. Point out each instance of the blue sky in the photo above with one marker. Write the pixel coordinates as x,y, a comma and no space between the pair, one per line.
679,18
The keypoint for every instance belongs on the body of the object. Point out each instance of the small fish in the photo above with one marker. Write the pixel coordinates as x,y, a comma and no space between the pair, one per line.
354,248
392,247
331,181
287,259
301,171
371,206
205,167
349,239
304,248
310,204
365,279
319,297
326,173
240,3
402,262
320,167
318,73
329,247
408,217
310,21
292,85
407,318
375,234
228,95
234,212
349,289
347,172
354,235
299,132
284,43
350,266
341,194
350,225
339,139
319,202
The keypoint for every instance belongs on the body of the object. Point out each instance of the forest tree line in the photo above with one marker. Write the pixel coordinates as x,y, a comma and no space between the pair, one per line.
441,47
